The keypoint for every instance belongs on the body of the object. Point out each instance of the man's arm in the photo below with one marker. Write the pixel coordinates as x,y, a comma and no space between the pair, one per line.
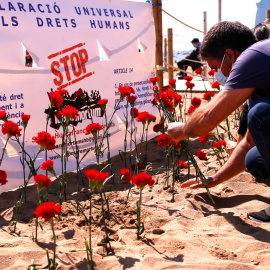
207,117
232,167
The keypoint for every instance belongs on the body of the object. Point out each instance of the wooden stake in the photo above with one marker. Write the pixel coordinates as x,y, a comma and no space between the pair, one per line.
268,15
170,53
165,53
157,11
204,22
219,10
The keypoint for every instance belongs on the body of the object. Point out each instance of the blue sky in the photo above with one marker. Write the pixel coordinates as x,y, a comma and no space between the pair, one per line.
191,13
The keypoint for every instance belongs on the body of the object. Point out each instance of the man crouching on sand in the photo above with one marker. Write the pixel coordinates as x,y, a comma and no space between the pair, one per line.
244,66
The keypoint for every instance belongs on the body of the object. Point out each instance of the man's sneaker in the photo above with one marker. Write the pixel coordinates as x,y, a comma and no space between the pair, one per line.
262,216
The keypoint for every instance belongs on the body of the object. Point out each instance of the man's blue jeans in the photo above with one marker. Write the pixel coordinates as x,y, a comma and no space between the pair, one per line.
258,157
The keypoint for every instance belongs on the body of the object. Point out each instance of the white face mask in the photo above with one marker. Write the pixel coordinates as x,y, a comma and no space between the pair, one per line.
221,78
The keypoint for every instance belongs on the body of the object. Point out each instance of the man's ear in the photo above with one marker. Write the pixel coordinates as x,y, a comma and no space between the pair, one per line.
232,54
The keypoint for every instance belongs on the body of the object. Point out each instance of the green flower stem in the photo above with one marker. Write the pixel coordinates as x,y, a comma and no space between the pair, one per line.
54,265
139,203
4,150
173,172
90,265
126,130
108,148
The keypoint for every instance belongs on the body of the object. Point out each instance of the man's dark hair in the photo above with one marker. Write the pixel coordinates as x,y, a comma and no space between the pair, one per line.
226,35
195,40
261,31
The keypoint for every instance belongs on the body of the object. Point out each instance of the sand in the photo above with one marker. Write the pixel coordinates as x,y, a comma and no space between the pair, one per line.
190,233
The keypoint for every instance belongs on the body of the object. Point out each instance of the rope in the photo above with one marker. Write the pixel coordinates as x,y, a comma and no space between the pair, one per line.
182,22
167,64
187,59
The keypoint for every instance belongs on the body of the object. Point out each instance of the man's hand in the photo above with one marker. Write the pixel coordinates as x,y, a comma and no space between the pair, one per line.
194,184
176,131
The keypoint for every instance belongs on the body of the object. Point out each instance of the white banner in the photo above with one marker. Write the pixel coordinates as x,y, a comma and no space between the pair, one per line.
93,45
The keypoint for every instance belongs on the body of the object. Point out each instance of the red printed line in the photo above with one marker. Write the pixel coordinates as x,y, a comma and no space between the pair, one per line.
76,80
66,50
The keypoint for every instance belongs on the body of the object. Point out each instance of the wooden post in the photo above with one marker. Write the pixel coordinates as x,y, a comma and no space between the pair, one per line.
268,15
219,10
165,53
204,22
157,11
170,53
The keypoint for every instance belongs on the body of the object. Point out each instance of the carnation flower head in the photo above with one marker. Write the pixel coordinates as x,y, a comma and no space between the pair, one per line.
42,180
44,139
134,112
131,100
70,112
47,210
125,91
11,129
48,166
199,71
157,128
219,145
204,138
139,164
216,85
163,140
145,116
96,178
154,80
25,119
103,103
201,155
172,83
191,109
182,165
188,78
142,179
93,128
3,115
212,72
125,174
79,93
56,99
3,178
207,96
196,102
190,85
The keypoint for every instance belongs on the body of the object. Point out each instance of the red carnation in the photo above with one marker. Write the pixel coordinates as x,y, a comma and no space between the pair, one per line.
125,174
79,93
45,139
163,140
196,102
212,72
157,128
3,178
47,210
191,109
182,165
70,112
219,145
11,129
42,180
145,116
199,70
56,99
190,85
188,78
172,82
131,100
153,80
142,179
102,102
3,116
61,92
125,91
25,117
201,155
207,96
93,128
216,85
134,112
204,138
96,176
48,166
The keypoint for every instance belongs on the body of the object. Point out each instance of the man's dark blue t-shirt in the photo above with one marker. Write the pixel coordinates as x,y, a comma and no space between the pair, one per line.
252,70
